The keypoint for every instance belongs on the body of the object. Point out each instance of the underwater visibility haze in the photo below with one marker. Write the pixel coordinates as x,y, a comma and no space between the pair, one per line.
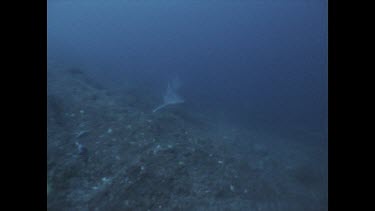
187,105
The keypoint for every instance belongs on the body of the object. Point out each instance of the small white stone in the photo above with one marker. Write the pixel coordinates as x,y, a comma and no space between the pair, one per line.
232,188
105,179
109,130
82,111
220,162
156,150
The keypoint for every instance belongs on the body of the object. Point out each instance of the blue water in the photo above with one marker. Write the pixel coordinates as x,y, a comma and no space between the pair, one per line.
262,61
257,64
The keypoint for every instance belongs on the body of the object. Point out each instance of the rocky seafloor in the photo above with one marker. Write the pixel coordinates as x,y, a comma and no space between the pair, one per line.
107,152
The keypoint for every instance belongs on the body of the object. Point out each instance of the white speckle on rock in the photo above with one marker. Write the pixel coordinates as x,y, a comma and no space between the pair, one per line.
109,130
105,179
232,188
220,162
156,150
82,111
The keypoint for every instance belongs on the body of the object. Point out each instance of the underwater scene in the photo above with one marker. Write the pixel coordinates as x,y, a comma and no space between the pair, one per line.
187,105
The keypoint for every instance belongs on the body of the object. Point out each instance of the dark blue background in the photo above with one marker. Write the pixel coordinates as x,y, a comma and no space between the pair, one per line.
259,63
